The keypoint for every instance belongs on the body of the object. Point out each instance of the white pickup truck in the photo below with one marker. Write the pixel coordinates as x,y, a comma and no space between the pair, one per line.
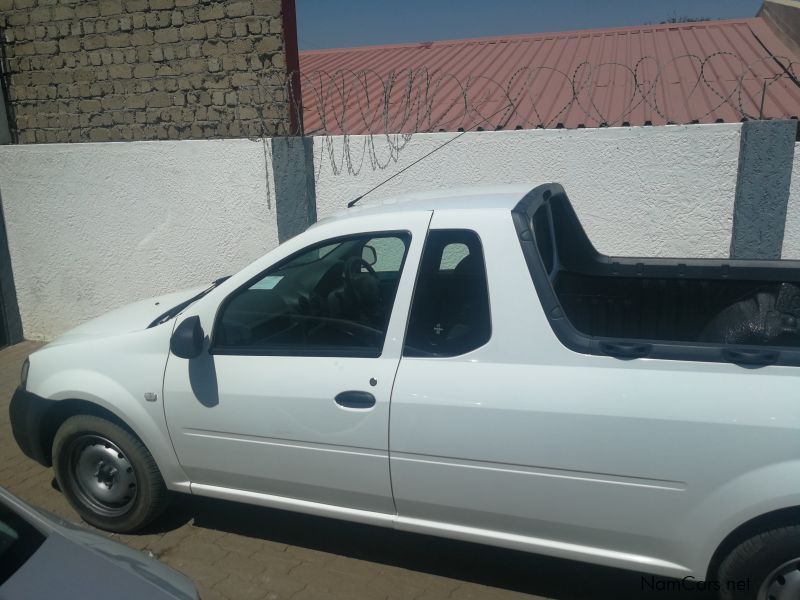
462,364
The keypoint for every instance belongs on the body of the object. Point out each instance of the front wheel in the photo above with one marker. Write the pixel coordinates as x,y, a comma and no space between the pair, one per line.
107,474
764,567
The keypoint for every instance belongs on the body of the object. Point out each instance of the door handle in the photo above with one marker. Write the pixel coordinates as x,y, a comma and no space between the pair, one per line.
355,399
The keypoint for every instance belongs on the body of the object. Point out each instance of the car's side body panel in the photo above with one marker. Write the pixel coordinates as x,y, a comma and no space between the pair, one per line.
639,461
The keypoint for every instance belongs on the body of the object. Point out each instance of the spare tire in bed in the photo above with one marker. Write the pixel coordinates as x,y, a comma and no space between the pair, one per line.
768,316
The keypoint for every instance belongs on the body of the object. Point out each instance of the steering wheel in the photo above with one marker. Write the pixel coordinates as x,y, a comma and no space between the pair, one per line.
360,295
354,283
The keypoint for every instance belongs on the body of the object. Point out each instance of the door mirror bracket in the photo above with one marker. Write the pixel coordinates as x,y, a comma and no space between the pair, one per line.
187,339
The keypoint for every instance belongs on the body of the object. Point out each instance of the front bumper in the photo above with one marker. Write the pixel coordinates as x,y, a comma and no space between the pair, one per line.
27,414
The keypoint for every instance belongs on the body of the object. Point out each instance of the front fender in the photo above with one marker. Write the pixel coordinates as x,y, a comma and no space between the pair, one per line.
115,373
145,419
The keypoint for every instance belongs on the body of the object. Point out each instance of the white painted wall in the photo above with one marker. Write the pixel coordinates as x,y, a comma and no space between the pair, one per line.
791,235
94,226
639,191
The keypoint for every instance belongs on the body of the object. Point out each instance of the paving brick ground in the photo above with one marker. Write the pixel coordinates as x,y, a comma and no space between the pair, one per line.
235,551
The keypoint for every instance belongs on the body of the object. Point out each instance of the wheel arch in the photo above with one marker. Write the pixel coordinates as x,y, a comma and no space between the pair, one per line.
139,422
770,520
60,411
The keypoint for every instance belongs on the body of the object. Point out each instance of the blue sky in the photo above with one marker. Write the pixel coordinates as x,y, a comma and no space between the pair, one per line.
345,23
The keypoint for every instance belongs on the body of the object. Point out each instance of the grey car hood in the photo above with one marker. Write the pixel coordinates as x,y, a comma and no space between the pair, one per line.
61,568
74,562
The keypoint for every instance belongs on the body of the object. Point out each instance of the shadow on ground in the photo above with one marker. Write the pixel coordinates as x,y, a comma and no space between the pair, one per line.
484,565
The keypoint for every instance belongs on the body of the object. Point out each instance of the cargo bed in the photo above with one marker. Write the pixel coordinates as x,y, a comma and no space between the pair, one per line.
745,312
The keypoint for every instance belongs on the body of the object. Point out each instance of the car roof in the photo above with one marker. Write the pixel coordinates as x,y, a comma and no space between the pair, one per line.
477,197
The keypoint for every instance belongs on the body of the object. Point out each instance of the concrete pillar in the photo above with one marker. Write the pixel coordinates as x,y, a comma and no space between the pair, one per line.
295,191
762,189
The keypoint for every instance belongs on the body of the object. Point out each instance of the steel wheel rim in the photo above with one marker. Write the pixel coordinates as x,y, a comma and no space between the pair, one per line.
782,583
103,477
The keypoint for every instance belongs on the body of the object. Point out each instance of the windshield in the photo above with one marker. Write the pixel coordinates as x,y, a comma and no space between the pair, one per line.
18,542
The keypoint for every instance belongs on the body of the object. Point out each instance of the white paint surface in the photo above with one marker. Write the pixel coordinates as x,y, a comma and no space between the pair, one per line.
791,235
92,227
639,191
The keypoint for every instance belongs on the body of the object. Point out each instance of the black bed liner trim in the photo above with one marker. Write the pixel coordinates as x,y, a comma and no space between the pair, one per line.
574,246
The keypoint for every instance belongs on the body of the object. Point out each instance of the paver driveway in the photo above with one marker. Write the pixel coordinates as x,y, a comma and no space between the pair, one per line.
237,551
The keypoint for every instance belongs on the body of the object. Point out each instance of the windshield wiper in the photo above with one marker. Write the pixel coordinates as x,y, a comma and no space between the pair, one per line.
175,310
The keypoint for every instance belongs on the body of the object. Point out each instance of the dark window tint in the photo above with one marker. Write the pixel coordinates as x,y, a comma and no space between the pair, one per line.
544,238
450,311
332,299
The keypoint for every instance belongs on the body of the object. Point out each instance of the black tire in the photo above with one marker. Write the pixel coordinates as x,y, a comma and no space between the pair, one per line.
107,474
762,566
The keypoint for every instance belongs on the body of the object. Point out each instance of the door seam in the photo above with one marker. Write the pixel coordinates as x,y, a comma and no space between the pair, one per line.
400,362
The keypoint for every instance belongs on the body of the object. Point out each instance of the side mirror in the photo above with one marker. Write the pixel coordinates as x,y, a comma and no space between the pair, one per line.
369,255
187,339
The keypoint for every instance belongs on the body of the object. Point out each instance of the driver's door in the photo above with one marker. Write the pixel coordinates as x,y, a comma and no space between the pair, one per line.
292,400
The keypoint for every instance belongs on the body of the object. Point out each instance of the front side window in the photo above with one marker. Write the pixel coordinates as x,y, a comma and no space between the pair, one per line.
333,299
450,311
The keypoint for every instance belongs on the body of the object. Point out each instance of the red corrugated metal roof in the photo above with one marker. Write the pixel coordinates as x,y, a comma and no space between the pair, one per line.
705,72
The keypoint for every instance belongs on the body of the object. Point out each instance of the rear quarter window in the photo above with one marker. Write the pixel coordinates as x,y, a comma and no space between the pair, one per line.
450,312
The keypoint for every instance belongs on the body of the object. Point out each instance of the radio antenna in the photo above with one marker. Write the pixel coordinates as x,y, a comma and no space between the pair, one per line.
355,201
